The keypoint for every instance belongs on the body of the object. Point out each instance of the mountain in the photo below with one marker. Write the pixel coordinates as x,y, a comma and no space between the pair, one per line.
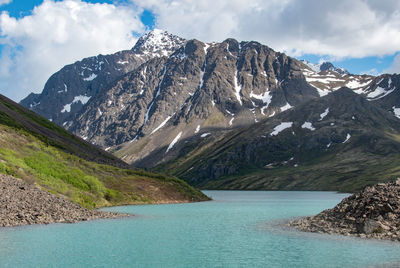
47,156
339,142
197,88
185,92
325,66
69,89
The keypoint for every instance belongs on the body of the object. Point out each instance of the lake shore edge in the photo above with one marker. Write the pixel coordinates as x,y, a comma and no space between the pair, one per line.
373,212
24,204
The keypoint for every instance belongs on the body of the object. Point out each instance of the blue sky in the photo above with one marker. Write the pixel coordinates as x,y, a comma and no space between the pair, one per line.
361,36
21,8
367,65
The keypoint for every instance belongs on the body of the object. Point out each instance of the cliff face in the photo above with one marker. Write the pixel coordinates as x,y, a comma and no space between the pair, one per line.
198,88
68,90
373,213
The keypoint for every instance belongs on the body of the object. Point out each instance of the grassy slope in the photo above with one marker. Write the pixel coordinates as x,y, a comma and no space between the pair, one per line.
40,152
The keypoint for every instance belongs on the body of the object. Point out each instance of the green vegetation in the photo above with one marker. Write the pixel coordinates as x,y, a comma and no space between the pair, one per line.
87,183
49,162
366,160
16,116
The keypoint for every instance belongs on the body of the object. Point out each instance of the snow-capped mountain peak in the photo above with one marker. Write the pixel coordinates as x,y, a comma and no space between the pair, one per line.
325,66
158,43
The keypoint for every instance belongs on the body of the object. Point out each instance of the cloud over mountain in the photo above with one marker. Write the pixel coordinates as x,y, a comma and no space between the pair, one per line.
59,33
341,28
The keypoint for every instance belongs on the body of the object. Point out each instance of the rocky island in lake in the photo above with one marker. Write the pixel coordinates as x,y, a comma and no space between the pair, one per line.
373,212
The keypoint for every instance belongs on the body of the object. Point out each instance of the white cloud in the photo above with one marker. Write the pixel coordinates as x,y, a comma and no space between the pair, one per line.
56,34
5,2
372,71
341,28
395,68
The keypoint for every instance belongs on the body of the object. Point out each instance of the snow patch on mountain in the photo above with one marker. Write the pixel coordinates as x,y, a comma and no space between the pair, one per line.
287,106
34,104
162,124
238,88
354,84
308,125
266,98
173,142
80,98
325,113
230,113
379,93
323,79
396,111
282,126
347,138
91,77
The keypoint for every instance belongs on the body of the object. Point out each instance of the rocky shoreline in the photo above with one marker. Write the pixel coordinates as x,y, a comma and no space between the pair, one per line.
24,204
373,212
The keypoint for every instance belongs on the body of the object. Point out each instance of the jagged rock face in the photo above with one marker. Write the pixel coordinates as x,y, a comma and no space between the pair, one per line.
146,103
325,66
68,90
316,145
385,92
382,89
158,43
198,88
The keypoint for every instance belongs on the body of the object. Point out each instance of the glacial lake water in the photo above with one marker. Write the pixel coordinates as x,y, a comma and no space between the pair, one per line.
237,229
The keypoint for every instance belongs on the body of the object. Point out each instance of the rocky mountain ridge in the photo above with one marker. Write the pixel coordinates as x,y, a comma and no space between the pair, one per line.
325,66
186,91
69,89
221,85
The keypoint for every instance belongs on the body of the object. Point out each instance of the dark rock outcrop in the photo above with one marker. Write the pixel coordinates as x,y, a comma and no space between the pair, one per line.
24,204
69,89
373,212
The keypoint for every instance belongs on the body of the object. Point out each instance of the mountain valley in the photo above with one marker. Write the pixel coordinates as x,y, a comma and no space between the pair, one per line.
176,101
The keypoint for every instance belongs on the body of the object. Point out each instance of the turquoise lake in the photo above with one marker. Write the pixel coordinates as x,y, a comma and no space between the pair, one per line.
237,229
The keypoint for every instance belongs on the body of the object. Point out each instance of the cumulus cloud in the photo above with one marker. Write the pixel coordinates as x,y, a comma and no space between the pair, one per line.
341,28
59,33
4,2
395,68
